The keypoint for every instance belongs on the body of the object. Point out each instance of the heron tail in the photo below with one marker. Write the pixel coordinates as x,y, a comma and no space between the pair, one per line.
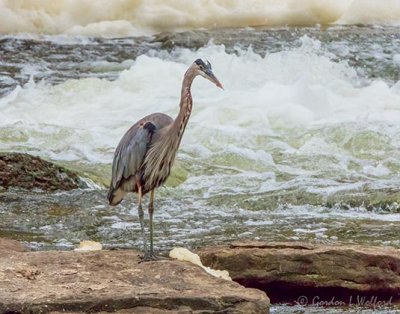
115,196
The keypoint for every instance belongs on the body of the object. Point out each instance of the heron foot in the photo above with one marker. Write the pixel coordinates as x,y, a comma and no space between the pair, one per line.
150,257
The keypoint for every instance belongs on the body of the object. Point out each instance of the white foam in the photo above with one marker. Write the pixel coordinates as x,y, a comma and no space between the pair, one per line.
248,133
372,12
317,212
133,17
396,59
184,254
316,231
377,171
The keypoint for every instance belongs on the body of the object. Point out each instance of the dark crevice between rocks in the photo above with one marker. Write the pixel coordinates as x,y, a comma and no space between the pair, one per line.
256,245
294,294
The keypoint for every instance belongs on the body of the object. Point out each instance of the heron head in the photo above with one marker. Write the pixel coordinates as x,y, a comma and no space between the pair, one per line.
204,69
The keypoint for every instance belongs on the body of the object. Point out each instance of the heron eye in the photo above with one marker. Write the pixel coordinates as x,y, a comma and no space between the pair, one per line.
201,67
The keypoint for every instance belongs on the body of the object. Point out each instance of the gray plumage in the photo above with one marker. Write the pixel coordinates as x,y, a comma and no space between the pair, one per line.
129,158
146,153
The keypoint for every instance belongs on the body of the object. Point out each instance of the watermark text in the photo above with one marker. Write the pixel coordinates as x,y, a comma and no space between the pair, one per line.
373,302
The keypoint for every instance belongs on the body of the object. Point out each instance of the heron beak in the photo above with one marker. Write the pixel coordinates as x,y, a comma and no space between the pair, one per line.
213,79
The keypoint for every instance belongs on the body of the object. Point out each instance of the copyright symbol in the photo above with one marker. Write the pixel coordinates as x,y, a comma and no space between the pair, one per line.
302,300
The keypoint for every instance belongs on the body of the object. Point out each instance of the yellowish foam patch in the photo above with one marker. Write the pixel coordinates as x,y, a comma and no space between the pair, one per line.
144,17
87,245
183,254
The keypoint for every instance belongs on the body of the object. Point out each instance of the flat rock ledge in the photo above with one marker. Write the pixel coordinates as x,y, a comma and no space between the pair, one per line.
115,281
312,274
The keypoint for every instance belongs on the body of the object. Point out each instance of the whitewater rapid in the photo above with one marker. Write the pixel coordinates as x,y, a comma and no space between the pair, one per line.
303,143
120,18
292,119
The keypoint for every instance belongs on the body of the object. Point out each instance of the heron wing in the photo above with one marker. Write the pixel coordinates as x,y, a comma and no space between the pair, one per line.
131,150
130,153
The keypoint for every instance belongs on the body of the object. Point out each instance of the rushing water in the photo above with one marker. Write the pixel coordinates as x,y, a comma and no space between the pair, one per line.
303,143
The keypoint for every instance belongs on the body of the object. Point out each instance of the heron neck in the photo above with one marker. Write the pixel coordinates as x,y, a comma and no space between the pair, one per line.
186,87
179,125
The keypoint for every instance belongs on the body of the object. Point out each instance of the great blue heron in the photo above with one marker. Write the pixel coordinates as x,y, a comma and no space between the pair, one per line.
146,153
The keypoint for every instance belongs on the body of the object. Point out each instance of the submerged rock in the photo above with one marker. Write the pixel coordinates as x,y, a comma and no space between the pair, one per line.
108,281
30,172
304,273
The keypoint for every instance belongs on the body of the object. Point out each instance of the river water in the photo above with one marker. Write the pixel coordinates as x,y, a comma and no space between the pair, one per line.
302,145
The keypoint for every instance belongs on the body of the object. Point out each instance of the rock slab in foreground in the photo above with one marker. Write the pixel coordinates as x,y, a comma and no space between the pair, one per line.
41,282
289,271
30,172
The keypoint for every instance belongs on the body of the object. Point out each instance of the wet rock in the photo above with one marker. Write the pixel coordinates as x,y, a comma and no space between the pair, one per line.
107,281
288,272
29,172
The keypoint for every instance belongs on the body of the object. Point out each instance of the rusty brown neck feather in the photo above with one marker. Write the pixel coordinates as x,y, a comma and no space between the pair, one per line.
180,122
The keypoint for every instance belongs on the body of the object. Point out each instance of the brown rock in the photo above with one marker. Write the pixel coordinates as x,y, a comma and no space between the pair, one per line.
104,281
11,245
29,172
288,271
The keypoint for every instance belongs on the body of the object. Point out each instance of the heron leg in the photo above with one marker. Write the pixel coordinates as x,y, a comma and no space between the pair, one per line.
148,256
141,219
151,211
